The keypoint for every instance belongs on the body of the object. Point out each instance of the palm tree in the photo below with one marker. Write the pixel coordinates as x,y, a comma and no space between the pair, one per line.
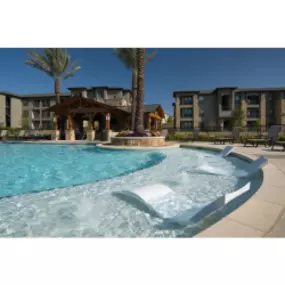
139,118
56,63
129,58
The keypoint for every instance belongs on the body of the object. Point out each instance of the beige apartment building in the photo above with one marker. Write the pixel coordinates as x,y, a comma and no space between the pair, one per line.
212,109
33,111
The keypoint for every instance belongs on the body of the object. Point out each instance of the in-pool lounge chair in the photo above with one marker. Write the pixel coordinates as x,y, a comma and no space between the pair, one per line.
250,169
3,134
160,201
226,151
232,139
267,140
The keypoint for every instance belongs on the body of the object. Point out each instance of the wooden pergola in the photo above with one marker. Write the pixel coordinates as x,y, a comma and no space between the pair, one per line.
156,113
87,108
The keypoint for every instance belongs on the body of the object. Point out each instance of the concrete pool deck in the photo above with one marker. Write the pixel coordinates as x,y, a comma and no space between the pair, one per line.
263,215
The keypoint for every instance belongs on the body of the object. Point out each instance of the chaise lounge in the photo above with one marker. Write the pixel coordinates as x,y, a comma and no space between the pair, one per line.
267,140
233,139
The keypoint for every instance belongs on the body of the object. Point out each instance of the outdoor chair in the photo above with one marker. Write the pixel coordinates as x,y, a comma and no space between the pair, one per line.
3,134
265,140
157,196
250,169
232,139
278,143
195,134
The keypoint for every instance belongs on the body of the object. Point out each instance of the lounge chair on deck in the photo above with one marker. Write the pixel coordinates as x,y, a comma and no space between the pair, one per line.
3,134
267,140
232,139
278,143
21,135
159,200
195,134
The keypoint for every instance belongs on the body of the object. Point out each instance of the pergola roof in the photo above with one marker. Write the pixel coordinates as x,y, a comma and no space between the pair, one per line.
78,104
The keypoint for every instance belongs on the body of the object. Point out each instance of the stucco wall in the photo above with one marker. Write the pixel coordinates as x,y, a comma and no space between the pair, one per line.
2,111
16,113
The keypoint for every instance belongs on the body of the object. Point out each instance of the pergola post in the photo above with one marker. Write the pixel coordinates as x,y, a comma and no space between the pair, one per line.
55,133
91,131
107,132
69,133
149,122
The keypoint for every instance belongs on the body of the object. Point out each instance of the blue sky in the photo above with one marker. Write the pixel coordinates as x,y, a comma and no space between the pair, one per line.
170,70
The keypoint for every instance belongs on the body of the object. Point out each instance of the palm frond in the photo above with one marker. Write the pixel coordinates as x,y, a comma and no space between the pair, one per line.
71,70
55,62
127,56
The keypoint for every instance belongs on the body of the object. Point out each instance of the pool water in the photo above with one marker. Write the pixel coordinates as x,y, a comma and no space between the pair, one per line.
31,168
92,210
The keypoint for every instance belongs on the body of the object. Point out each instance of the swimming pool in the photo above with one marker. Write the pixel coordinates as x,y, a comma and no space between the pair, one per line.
91,210
28,168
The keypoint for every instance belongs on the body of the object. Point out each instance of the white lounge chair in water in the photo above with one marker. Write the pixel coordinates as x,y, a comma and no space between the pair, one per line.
252,168
166,203
226,151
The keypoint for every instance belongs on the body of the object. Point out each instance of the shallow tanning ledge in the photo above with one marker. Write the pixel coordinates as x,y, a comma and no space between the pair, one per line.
138,141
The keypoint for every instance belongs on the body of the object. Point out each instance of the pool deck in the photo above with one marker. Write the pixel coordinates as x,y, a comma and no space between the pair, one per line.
263,215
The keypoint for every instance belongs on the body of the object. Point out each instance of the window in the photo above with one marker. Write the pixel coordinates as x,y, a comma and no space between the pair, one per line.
36,125
237,99
253,100
225,102
26,114
25,102
187,100
8,111
201,99
45,103
36,115
252,113
45,114
186,125
186,112
46,126
36,103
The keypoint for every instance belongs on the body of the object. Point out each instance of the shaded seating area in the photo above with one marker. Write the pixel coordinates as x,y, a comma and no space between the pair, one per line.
268,140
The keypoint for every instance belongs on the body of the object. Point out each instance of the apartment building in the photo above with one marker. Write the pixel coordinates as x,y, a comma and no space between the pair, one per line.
30,110
213,108
10,110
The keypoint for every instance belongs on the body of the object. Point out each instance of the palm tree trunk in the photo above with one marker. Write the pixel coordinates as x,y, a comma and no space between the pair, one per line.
60,120
57,89
139,120
134,97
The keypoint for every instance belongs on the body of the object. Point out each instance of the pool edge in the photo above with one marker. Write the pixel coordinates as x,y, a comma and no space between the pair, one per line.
257,215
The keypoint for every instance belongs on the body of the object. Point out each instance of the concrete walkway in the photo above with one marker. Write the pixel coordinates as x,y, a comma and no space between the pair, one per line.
263,215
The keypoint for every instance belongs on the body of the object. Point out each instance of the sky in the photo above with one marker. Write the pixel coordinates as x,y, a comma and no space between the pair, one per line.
170,70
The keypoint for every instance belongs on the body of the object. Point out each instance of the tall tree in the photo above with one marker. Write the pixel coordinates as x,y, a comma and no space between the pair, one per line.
129,58
139,118
238,117
56,63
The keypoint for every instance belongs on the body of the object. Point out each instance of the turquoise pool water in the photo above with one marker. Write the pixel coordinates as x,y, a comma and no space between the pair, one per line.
28,168
91,209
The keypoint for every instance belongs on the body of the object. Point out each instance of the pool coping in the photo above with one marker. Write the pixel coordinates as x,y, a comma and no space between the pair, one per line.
260,213
114,147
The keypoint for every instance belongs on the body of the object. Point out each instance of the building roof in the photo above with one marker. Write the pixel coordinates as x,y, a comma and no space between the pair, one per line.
41,95
6,93
261,89
236,89
97,87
